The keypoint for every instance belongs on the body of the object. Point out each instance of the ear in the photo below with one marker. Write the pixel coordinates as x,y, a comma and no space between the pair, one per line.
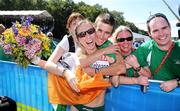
149,34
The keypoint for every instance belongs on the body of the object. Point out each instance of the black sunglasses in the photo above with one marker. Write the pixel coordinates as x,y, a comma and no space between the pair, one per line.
83,34
123,39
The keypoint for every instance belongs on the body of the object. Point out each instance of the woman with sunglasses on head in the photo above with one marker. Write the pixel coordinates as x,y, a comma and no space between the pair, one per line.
57,71
123,36
104,25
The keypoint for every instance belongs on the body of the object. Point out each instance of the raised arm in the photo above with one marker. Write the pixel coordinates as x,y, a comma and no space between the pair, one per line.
86,60
53,67
51,64
115,69
132,61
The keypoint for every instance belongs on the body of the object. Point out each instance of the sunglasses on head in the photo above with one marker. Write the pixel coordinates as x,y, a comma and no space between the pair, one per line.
123,39
156,15
83,34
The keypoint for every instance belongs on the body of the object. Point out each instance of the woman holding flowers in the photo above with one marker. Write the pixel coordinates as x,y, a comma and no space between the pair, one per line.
67,44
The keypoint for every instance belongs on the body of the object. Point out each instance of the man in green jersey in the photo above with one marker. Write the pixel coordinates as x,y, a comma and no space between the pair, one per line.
161,54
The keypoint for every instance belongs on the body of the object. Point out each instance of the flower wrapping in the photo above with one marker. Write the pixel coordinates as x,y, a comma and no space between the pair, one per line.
24,40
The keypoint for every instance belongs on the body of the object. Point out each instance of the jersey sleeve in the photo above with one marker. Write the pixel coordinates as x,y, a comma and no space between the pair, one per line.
142,53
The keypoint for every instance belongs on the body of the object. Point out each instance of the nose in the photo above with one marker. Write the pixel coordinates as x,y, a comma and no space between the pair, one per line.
88,36
161,32
125,41
101,35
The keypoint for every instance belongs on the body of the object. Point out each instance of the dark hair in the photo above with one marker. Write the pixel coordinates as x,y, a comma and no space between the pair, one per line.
105,18
72,17
154,16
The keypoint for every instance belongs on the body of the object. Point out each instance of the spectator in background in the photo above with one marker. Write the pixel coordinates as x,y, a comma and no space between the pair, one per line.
3,56
53,44
161,54
2,28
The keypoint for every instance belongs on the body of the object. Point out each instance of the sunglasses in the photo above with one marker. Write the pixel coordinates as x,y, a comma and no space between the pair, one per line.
156,15
83,34
123,39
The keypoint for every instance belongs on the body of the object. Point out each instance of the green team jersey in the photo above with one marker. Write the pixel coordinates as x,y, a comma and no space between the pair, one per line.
106,44
148,54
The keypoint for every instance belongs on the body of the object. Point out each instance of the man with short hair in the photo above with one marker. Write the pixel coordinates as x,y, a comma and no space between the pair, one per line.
161,54
104,24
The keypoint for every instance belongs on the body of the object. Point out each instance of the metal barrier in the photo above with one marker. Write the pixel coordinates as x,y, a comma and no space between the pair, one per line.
131,98
28,87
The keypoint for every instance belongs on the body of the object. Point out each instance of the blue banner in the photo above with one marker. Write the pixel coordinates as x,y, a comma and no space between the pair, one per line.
130,98
27,86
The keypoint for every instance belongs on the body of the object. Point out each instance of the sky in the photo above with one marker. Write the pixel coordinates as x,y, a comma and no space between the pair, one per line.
138,11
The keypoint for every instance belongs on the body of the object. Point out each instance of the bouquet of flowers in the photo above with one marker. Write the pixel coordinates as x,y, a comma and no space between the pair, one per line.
24,40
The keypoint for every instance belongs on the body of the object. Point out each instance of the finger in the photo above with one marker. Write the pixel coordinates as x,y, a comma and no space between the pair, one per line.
72,85
75,85
74,88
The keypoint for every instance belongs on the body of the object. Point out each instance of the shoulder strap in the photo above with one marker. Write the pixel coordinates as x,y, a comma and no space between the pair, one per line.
71,44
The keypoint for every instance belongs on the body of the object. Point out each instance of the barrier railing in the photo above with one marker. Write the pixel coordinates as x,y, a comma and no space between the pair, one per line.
131,98
28,87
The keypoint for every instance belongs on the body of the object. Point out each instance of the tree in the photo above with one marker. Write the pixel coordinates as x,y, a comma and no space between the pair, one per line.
61,9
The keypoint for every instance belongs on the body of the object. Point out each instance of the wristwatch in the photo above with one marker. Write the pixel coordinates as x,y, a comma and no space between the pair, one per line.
178,82
97,70
64,70
138,69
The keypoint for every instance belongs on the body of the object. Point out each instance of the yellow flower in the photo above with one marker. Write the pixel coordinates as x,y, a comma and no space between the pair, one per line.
24,41
24,32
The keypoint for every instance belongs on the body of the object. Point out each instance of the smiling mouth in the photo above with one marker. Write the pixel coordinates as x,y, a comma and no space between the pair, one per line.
89,43
163,38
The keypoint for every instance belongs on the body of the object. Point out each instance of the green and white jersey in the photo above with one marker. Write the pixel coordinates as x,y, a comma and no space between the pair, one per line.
148,54
100,64
106,44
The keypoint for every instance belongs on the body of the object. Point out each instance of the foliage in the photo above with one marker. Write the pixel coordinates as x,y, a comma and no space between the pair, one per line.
24,41
61,9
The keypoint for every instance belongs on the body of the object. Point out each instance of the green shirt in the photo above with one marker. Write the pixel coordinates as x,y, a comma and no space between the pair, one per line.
106,44
170,69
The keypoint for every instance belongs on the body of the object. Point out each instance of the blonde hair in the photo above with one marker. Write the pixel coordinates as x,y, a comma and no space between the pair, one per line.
78,43
118,30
